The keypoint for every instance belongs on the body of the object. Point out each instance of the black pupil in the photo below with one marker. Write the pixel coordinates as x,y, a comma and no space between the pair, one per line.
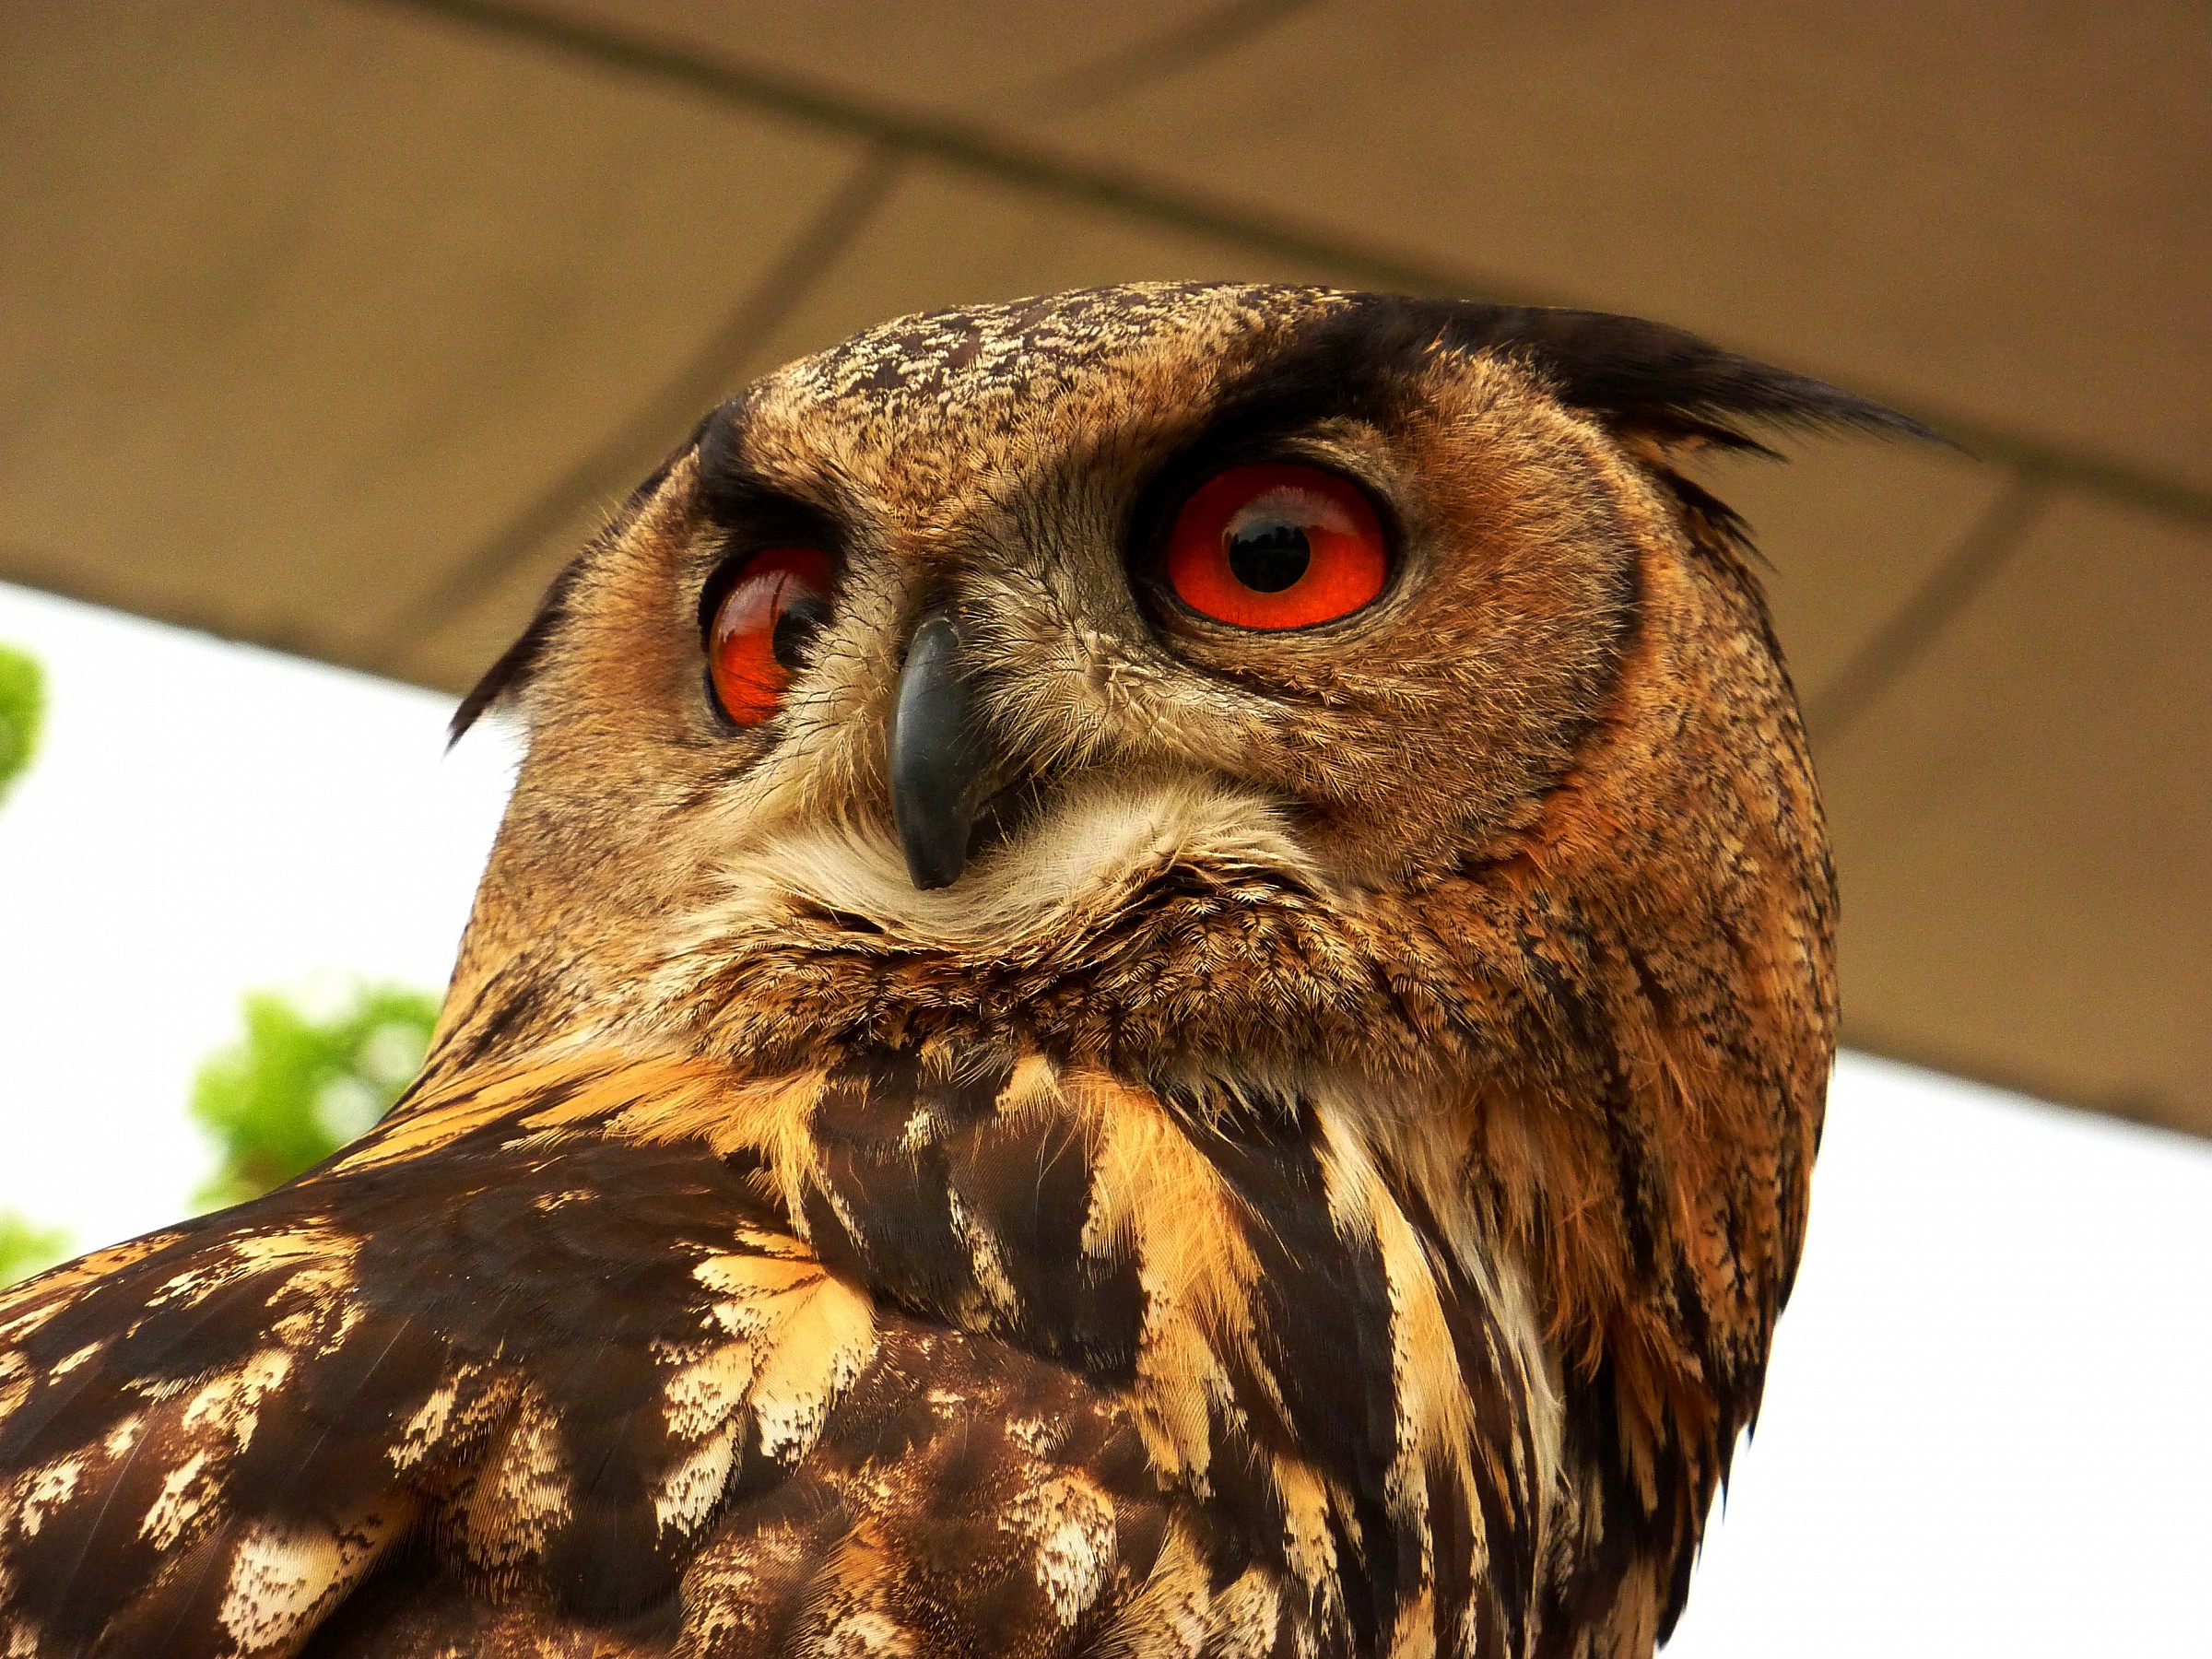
798,621
1268,554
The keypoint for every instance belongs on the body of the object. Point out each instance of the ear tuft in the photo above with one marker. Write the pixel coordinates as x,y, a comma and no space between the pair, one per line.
1653,381
516,663
520,660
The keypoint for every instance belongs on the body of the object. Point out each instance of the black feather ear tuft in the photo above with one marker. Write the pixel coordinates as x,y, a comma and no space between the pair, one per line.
1661,382
516,663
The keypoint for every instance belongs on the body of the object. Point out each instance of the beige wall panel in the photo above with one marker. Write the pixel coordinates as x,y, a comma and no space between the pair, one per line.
2024,827
1997,209
949,239
300,302
454,656
939,240
1848,531
983,59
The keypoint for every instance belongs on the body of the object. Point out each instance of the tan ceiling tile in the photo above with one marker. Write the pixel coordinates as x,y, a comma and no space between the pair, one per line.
1999,210
947,237
299,303
1848,530
2024,824
307,309
452,653
976,58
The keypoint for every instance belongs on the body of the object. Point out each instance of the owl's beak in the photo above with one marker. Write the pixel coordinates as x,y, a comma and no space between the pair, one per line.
938,761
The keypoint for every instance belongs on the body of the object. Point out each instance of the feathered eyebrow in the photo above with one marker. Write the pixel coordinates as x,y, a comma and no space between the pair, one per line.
749,511
1329,370
744,503
729,485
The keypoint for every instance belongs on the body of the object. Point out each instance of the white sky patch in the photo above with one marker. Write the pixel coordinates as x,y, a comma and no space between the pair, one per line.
1986,1429
202,818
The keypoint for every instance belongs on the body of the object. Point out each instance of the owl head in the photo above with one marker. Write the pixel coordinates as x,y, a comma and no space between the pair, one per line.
1171,673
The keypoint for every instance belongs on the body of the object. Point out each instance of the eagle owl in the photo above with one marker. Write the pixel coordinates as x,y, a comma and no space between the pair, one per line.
1159,984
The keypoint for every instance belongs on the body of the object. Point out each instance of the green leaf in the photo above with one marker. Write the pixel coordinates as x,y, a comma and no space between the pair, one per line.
26,1247
298,1086
22,712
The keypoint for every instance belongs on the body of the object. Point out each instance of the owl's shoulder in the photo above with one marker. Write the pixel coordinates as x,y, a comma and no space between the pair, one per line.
508,1375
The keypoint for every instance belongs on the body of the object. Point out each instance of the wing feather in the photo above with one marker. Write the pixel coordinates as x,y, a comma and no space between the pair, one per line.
894,1358
500,1379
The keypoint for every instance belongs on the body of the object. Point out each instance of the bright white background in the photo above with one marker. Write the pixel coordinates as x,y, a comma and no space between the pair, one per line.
1987,1430
202,818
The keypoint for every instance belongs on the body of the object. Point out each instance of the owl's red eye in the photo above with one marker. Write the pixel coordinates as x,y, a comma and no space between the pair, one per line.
763,629
1276,545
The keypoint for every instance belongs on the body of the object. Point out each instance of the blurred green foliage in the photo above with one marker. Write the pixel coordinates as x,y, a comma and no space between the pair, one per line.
297,1085
22,708
25,1247
300,1085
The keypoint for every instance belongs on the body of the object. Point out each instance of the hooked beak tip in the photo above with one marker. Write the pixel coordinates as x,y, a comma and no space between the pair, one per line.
935,761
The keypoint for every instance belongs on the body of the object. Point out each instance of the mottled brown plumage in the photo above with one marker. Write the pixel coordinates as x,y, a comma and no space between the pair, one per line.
1322,1181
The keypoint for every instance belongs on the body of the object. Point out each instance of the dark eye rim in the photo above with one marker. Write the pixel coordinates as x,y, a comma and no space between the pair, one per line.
1160,505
